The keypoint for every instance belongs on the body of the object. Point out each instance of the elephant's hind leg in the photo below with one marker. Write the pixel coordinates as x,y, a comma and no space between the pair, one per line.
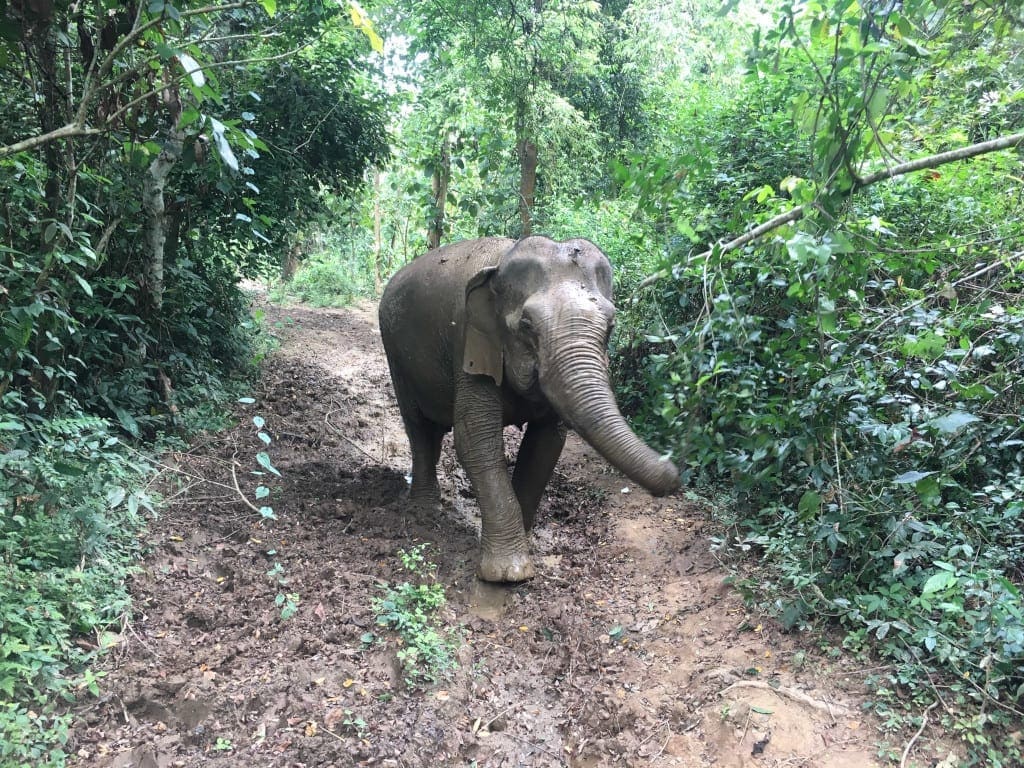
538,454
425,438
425,441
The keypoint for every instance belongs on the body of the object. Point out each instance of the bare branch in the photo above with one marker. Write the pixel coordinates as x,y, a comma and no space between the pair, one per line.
64,132
934,161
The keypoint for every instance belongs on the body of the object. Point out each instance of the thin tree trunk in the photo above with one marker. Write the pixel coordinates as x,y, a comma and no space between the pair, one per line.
156,218
526,151
378,256
527,184
439,189
291,263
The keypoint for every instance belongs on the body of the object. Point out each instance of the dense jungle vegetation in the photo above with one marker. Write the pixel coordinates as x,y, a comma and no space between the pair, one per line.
815,213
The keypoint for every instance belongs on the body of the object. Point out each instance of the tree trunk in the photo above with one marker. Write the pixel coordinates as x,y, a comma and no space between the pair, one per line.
378,256
439,185
156,218
291,263
527,153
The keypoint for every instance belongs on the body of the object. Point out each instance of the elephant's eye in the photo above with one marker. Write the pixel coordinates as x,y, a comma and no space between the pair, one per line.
525,324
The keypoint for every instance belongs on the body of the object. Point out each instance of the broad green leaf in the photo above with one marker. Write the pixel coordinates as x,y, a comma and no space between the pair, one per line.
809,504
131,426
270,6
264,461
83,283
115,496
939,582
910,477
952,422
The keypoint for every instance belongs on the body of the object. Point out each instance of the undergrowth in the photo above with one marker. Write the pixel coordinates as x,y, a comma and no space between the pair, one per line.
873,440
71,503
857,382
412,611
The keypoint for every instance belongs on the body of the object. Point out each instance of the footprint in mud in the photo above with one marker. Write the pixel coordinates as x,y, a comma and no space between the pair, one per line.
486,600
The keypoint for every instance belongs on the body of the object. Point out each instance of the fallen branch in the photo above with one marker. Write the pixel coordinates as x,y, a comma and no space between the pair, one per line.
339,433
795,214
916,736
791,693
234,479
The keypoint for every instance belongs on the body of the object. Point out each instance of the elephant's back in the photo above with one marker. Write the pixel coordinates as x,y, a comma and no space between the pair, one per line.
430,289
421,322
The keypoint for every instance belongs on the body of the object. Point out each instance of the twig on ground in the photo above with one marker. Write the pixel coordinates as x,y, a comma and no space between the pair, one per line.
338,432
916,736
234,479
790,693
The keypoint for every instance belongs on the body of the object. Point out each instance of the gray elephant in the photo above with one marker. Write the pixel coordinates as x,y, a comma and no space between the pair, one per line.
485,333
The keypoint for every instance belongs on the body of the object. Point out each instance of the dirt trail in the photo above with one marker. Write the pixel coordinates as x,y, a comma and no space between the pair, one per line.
628,649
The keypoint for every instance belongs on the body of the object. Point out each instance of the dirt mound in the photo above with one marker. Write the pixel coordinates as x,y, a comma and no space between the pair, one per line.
628,649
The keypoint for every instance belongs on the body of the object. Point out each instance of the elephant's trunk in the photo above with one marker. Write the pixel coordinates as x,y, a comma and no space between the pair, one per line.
576,383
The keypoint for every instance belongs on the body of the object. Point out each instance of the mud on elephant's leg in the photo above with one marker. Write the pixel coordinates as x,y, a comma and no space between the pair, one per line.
538,454
504,554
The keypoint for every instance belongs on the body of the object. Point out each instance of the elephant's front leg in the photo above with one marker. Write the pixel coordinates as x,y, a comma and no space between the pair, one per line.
504,554
538,454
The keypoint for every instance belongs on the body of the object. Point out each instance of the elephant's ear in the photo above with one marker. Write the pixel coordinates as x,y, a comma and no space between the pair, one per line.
482,351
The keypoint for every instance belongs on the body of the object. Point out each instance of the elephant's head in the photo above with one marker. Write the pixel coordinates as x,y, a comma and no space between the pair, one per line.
539,323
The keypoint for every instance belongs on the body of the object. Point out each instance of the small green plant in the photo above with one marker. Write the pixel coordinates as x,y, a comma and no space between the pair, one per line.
411,610
288,603
223,745
355,723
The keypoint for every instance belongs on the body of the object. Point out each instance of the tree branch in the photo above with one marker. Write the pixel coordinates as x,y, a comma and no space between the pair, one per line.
795,214
64,132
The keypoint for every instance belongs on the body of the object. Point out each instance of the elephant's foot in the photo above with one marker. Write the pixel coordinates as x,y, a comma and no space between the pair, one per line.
508,568
425,499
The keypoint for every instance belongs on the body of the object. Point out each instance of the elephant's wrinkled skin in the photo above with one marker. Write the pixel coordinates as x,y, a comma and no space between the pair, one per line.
485,333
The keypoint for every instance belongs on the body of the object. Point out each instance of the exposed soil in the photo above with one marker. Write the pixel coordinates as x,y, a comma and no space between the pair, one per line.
628,648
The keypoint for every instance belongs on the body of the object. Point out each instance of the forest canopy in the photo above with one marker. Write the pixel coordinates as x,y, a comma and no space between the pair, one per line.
814,210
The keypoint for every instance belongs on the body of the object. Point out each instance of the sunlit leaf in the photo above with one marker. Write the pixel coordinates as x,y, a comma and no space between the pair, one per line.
910,477
952,422
192,69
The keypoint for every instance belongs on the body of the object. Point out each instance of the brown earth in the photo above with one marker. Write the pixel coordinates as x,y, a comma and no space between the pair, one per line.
629,648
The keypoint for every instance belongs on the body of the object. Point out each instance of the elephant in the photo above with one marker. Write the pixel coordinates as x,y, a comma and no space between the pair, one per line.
481,334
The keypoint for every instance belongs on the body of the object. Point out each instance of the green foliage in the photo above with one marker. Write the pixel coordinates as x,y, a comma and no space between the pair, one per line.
326,280
70,513
411,611
857,379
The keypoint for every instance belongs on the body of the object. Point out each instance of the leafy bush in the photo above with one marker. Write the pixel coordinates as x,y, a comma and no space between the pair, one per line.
858,379
70,514
411,610
865,408
326,281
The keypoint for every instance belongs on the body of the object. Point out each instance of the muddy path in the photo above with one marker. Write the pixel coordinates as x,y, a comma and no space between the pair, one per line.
628,649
